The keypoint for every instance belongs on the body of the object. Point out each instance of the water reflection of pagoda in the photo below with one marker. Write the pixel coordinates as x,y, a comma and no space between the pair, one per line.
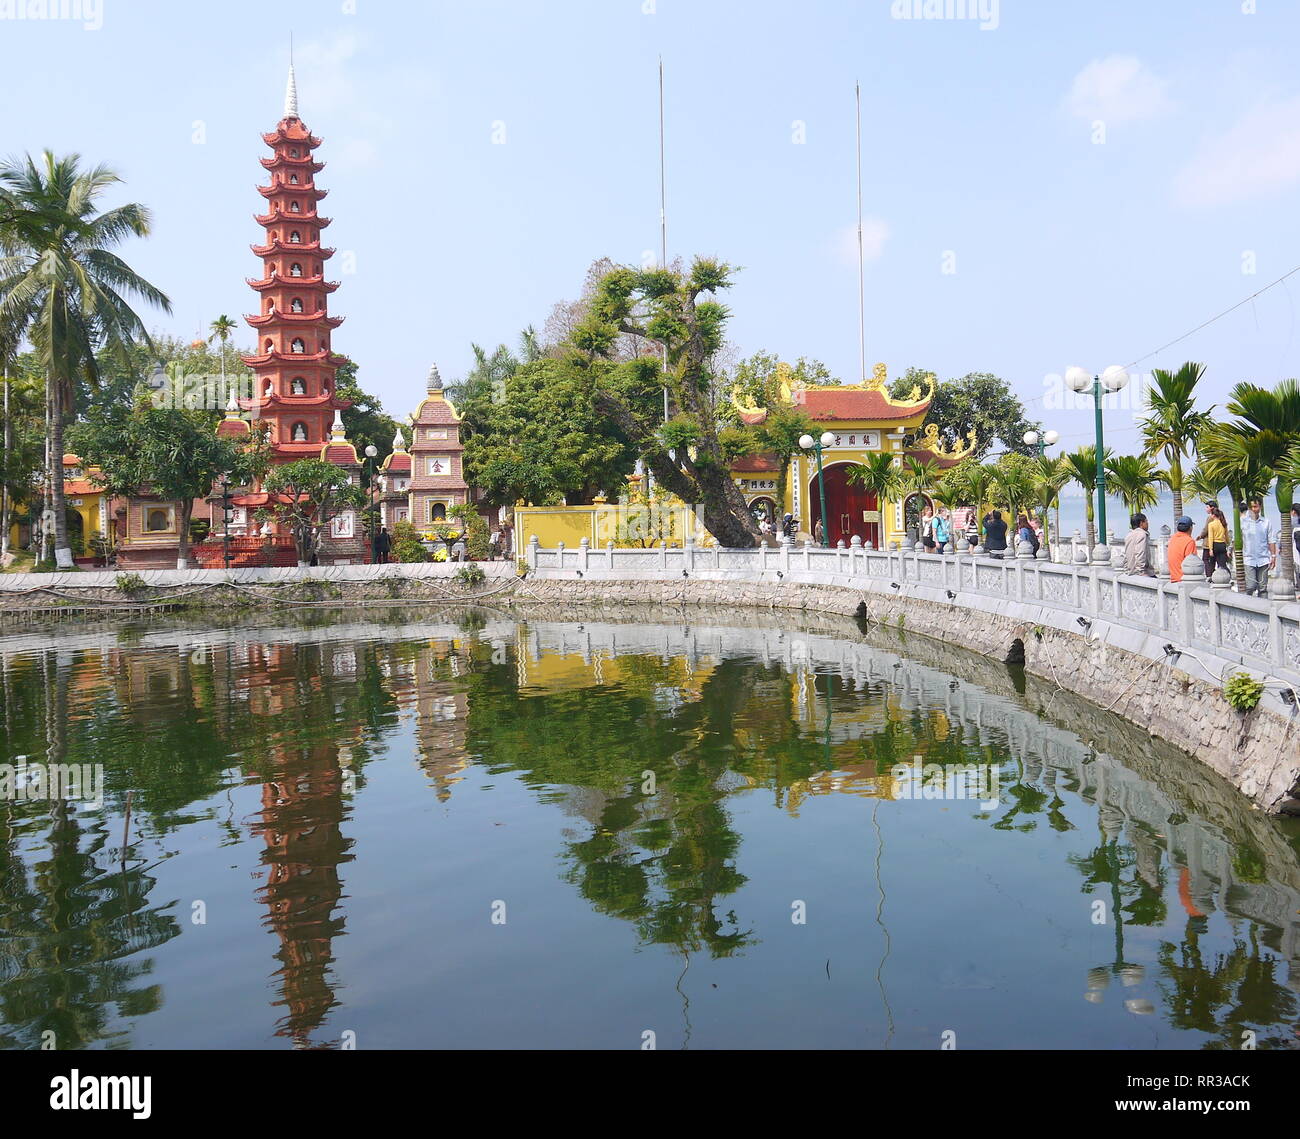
301,823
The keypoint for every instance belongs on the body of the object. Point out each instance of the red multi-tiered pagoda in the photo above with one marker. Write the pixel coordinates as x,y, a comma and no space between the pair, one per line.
294,367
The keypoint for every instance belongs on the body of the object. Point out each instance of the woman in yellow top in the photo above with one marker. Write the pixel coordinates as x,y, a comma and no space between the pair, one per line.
1214,539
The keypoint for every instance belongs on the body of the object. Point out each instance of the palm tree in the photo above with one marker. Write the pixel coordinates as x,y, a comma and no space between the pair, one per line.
220,330
1174,424
877,475
64,289
1014,485
1082,466
970,483
1230,460
1050,476
1273,419
1133,479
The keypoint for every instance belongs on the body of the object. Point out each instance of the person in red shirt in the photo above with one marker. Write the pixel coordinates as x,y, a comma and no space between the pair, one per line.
1180,545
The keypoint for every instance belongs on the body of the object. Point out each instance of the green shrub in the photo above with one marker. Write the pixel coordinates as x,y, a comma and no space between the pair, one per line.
1243,691
132,584
469,575
406,544
476,531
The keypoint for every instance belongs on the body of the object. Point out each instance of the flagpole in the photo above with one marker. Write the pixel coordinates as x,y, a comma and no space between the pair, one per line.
663,209
862,304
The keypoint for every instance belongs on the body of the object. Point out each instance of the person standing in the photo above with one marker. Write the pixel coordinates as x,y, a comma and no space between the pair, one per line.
1180,545
1258,549
1137,548
383,543
941,530
927,529
995,534
972,530
818,532
494,545
1214,540
1295,538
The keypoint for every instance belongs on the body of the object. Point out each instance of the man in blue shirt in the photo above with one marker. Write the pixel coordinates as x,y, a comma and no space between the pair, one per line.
1258,548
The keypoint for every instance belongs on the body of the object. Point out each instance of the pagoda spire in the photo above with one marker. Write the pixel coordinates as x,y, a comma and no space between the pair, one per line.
291,94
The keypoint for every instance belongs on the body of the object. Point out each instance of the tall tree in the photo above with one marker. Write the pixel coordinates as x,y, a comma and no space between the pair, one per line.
1173,423
676,312
220,330
544,441
979,402
173,452
63,287
1230,459
307,495
1273,417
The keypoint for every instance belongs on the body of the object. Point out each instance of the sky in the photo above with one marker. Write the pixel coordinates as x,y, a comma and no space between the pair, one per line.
1044,184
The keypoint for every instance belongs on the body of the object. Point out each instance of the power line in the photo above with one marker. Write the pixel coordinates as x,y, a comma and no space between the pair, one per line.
1212,319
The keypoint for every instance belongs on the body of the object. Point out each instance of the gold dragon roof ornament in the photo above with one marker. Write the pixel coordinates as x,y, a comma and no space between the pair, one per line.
931,442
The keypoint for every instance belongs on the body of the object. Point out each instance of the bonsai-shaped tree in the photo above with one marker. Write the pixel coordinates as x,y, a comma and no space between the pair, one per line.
307,495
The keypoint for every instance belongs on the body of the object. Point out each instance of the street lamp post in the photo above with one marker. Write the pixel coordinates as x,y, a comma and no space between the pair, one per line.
371,452
225,518
816,446
1042,442
1111,380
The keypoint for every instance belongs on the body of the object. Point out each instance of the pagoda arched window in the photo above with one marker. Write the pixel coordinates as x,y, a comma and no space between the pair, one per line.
270,344
295,238
295,270
293,152
297,386
293,179
295,208
438,512
295,305
299,432
298,346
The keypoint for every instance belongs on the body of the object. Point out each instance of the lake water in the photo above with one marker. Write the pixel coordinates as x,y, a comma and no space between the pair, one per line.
728,830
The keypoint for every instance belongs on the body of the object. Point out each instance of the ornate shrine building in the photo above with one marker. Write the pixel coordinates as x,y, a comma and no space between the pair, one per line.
864,419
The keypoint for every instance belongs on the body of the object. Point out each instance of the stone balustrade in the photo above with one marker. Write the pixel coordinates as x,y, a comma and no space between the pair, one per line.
1139,613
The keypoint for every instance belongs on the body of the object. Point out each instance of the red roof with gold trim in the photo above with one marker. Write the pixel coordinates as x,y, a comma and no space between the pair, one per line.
846,403
755,464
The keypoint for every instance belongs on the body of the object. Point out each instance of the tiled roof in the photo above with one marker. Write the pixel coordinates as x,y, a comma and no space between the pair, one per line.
853,404
755,464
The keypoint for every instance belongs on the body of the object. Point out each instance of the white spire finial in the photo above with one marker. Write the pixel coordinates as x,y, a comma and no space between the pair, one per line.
337,430
399,443
435,380
291,95
232,405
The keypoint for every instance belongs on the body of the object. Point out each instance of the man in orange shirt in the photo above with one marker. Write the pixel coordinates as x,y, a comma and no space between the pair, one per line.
1180,545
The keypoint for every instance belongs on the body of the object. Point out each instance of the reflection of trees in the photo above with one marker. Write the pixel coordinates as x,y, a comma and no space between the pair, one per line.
70,918
1228,992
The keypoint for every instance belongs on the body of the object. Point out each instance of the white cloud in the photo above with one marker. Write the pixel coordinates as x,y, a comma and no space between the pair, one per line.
875,232
1117,89
1259,154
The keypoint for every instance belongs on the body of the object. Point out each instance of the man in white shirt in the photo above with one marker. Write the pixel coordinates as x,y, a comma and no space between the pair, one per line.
1258,548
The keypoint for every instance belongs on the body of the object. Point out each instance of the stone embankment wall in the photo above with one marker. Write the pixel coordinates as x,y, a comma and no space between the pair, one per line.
1093,634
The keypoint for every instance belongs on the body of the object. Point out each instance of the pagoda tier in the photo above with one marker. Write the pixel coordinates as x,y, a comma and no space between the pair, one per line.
274,357
275,281
275,245
307,163
287,403
288,215
306,189
290,131
286,317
